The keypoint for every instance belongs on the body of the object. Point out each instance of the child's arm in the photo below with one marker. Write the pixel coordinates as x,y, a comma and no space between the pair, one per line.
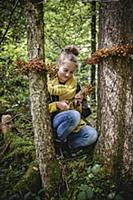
52,107
58,105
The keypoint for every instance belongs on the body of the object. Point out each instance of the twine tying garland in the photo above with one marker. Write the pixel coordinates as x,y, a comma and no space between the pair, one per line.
100,54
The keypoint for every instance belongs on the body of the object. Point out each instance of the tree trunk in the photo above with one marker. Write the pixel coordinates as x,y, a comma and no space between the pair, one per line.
93,48
38,95
115,89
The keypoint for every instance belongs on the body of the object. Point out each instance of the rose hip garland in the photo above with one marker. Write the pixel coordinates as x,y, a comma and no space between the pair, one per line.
36,65
105,52
39,65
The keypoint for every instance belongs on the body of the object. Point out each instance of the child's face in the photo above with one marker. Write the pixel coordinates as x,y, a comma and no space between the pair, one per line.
65,71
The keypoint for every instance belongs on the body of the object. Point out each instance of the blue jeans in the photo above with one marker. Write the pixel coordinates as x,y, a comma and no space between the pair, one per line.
64,124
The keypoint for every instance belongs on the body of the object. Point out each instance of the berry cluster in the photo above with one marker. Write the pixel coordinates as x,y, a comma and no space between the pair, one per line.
100,54
35,64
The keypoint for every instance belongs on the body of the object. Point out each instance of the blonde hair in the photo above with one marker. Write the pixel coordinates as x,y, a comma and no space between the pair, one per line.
68,54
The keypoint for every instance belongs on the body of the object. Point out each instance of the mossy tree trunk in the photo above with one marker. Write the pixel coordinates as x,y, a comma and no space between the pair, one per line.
38,94
115,89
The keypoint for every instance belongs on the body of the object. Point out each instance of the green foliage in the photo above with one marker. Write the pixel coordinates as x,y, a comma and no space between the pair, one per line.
56,175
31,176
66,24
19,148
12,21
13,86
19,176
85,192
89,180
13,90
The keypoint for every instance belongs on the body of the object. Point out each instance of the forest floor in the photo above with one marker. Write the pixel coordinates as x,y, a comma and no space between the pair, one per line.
83,177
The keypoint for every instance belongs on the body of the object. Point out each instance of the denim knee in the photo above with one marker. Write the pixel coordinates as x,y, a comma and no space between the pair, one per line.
74,116
65,122
70,116
92,136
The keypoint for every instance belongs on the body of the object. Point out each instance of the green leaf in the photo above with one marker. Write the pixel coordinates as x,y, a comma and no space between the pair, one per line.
82,196
96,168
89,193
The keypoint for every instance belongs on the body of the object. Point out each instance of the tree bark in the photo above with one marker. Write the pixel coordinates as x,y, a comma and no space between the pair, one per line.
38,95
6,127
115,89
93,48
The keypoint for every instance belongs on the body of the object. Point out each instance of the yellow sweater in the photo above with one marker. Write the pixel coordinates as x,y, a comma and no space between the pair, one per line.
67,92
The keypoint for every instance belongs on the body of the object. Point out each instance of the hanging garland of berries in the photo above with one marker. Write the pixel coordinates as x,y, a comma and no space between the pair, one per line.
25,67
36,65
100,54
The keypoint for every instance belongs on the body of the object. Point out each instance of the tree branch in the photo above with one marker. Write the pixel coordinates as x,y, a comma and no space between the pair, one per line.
3,37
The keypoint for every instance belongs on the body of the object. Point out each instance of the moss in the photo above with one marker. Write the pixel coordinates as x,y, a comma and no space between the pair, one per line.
30,179
19,141
16,166
51,192
19,149
56,173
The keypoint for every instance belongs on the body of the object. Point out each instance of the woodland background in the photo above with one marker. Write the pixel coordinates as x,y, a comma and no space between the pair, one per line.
83,177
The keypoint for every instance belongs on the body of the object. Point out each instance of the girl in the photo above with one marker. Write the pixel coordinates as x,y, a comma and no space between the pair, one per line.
65,111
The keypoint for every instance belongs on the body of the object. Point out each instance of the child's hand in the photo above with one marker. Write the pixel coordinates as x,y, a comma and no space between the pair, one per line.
79,97
89,89
63,105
